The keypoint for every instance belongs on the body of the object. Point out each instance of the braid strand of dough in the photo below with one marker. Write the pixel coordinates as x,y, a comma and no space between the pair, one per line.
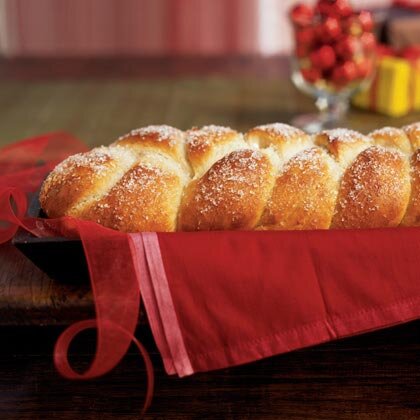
273,177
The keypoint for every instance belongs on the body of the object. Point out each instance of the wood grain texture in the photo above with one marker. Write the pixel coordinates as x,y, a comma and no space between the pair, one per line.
28,296
370,377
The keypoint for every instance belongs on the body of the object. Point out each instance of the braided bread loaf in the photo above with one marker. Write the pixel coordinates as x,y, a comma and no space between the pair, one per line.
159,178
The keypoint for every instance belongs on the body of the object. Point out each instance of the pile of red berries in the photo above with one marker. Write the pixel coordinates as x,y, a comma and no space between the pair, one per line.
335,45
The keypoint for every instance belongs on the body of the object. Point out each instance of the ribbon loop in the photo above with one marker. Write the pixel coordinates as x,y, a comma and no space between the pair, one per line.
99,366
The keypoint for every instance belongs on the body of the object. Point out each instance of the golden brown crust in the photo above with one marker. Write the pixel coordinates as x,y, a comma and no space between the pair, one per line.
413,133
391,137
284,138
231,195
208,144
82,177
304,194
374,191
145,199
412,215
343,144
157,138
276,177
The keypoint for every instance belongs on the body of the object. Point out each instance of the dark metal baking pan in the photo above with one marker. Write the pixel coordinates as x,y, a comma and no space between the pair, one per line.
60,258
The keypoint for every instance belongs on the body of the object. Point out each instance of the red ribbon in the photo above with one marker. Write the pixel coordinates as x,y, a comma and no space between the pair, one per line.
99,366
23,166
9,219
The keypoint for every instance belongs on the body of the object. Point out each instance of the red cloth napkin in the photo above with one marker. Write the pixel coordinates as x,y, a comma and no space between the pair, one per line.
218,299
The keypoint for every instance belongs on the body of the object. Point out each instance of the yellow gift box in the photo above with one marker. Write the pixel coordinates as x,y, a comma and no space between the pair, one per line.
395,89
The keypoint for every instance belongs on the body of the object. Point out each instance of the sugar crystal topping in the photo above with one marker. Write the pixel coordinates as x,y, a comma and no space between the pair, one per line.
280,129
207,134
343,135
159,132
384,179
236,175
239,178
143,176
307,160
97,159
387,131
140,187
412,127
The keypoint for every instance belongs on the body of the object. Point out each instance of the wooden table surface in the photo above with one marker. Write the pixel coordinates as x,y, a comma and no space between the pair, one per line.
374,376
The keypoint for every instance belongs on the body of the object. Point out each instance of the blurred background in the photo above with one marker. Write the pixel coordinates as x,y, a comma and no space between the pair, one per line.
148,27
194,62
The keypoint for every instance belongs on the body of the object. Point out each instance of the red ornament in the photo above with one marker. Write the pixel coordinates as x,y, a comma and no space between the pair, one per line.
344,73
302,15
365,20
301,50
328,30
323,58
347,46
384,50
368,41
352,26
364,68
305,37
311,75
342,8
325,8
336,8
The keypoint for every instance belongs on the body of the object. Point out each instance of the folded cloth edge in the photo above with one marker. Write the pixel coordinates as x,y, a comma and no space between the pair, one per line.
167,325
